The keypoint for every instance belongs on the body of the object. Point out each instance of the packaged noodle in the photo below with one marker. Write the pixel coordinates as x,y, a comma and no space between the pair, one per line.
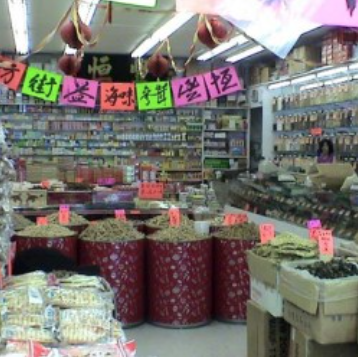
45,336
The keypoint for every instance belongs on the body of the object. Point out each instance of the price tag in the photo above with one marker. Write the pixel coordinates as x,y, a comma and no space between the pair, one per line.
267,232
151,191
326,243
232,218
121,214
46,184
64,215
315,223
316,131
174,217
314,234
42,221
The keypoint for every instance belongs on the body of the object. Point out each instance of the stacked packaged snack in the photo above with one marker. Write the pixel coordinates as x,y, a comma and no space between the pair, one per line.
51,310
7,174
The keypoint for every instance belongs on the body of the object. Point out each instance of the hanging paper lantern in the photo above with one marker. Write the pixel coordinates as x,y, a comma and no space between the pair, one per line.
219,32
69,34
158,66
69,65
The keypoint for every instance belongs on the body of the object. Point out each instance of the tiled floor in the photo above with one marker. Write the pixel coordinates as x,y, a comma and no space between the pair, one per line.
215,340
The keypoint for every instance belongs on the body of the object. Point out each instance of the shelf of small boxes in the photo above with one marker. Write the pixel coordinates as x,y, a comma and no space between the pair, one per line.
334,210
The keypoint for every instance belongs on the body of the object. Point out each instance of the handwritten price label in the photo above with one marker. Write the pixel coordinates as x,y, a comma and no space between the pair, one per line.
314,234
121,214
46,184
316,131
267,232
151,191
313,224
174,217
64,215
42,221
326,243
232,219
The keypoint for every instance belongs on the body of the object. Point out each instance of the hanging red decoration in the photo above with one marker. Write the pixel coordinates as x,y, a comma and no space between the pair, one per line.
211,32
69,65
158,66
69,34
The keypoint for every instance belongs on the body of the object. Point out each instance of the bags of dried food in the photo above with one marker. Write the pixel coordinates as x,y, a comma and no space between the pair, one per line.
245,231
75,219
111,230
45,336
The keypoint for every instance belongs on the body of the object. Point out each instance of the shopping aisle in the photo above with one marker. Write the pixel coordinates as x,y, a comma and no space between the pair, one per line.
215,340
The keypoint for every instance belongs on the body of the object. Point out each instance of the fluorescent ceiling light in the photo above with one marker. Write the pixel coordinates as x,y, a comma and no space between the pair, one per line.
312,86
19,22
338,80
236,41
304,79
332,72
144,3
353,66
279,85
162,33
86,12
244,54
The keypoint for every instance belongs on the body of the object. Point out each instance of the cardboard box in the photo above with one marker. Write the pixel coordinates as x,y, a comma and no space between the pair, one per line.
30,198
267,336
302,346
263,269
324,329
267,297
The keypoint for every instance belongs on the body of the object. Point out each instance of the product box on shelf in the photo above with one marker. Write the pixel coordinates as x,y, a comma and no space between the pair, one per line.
325,310
267,336
303,346
30,198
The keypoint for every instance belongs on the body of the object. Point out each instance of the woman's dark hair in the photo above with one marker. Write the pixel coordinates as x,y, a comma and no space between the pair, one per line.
330,147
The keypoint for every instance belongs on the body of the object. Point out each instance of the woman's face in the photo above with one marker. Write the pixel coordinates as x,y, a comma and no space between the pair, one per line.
325,149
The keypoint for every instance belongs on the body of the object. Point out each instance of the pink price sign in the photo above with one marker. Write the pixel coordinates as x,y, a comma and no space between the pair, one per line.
189,90
267,232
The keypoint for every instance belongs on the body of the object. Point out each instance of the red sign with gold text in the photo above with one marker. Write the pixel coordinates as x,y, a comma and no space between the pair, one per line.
151,191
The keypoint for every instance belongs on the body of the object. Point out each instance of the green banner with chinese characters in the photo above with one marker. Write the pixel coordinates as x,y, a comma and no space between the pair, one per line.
42,84
154,95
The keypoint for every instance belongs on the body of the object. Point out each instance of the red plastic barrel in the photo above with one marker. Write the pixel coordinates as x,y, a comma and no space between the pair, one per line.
180,283
67,245
231,279
122,265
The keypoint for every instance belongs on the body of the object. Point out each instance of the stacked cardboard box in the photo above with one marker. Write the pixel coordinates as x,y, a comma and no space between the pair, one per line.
303,59
337,46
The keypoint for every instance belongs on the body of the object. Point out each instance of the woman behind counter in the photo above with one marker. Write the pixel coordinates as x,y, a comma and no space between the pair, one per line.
325,153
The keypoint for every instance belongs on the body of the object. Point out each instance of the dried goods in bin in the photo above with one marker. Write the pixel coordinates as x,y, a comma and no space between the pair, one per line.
75,219
177,234
334,269
163,222
246,231
111,230
48,232
20,222
287,246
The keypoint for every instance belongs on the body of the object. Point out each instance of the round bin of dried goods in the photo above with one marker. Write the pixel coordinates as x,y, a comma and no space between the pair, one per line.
231,275
118,249
157,223
51,236
179,266
19,223
76,222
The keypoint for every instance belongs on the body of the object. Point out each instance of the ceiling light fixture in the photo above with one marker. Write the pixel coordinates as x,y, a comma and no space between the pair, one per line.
162,33
19,22
244,54
338,80
332,72
236,41
279,85
86,13
353,67
143,3
304,79
312,86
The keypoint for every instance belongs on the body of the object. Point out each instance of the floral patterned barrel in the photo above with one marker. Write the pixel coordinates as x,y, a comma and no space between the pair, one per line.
231,279
122,265
67,246
180,283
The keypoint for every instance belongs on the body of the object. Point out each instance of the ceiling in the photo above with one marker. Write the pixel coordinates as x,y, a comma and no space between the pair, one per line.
129,28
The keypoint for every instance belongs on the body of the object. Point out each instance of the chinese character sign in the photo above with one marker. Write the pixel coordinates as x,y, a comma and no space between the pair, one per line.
11,73
222,82
118,96
100,68
189,90
79,92
42,84
154,95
